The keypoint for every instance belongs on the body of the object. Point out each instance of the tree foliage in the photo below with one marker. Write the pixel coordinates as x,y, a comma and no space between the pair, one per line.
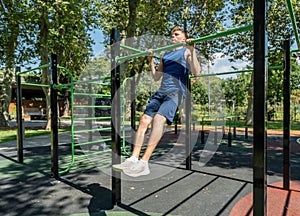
45,27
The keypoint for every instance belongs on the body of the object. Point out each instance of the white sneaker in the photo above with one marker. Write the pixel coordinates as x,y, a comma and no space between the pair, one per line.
126,164
138,169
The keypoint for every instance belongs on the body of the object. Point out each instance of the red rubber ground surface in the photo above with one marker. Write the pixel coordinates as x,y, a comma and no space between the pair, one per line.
279,201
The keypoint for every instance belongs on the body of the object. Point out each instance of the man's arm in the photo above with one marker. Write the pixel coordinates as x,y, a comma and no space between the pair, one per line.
191,58
156,74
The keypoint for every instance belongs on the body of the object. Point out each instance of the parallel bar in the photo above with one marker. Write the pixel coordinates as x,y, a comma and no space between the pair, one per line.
295,51
35,84
237,72
169,47
259,109
222,34
92,130
90,154
134,49
19,116
294,22
286,115
130,48
92,142
93,118
93,95
92,106
33,69
225,73
54,116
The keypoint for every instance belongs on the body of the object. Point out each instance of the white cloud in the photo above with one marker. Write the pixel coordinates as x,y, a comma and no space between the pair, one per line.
221,64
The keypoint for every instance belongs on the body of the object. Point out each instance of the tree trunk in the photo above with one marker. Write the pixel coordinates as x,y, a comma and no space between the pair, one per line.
5,97
44,54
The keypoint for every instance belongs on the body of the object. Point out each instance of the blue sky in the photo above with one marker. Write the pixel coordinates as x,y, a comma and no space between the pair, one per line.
98,37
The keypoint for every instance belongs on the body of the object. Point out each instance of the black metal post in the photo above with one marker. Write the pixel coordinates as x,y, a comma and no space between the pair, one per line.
234,131
259,109
202,136
229,138
133,105
188,110
19,116
54,115
116,115
286,115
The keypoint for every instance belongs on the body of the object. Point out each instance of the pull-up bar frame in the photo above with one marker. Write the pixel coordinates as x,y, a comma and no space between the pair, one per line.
169,47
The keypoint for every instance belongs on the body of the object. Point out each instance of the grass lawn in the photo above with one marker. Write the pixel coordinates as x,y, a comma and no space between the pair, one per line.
273,125
8,135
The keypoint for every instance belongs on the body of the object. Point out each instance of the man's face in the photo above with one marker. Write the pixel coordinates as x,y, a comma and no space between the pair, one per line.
178,36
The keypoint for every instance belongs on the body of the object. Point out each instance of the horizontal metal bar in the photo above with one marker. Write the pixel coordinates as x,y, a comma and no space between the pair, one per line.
92,118
33,69
169,47
35,84
134,49
91,106
236,72
92,130
94,153
92,142
93,95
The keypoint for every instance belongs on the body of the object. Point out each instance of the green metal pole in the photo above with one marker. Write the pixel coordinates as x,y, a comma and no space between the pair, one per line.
33,69
280,67
134,49
294,23
169,47
222,34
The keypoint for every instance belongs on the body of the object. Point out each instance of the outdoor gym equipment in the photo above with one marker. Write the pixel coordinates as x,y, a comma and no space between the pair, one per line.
259,136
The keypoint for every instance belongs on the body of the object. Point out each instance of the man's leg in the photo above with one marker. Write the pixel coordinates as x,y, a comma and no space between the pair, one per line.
140,135
155,136
139,140
141,167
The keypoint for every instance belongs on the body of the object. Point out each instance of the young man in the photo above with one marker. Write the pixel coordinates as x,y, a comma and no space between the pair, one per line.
162,106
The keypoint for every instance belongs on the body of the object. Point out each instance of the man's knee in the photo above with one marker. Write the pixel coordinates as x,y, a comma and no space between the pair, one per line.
159,119
145,120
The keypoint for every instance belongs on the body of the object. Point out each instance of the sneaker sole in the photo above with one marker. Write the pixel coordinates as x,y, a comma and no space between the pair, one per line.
118,169
146,172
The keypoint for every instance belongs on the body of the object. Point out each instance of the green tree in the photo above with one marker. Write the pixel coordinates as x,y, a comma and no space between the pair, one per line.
12,33
45,27
62,27
241,45
236,93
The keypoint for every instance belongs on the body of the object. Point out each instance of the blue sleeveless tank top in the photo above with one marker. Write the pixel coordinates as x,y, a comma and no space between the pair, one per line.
175,72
